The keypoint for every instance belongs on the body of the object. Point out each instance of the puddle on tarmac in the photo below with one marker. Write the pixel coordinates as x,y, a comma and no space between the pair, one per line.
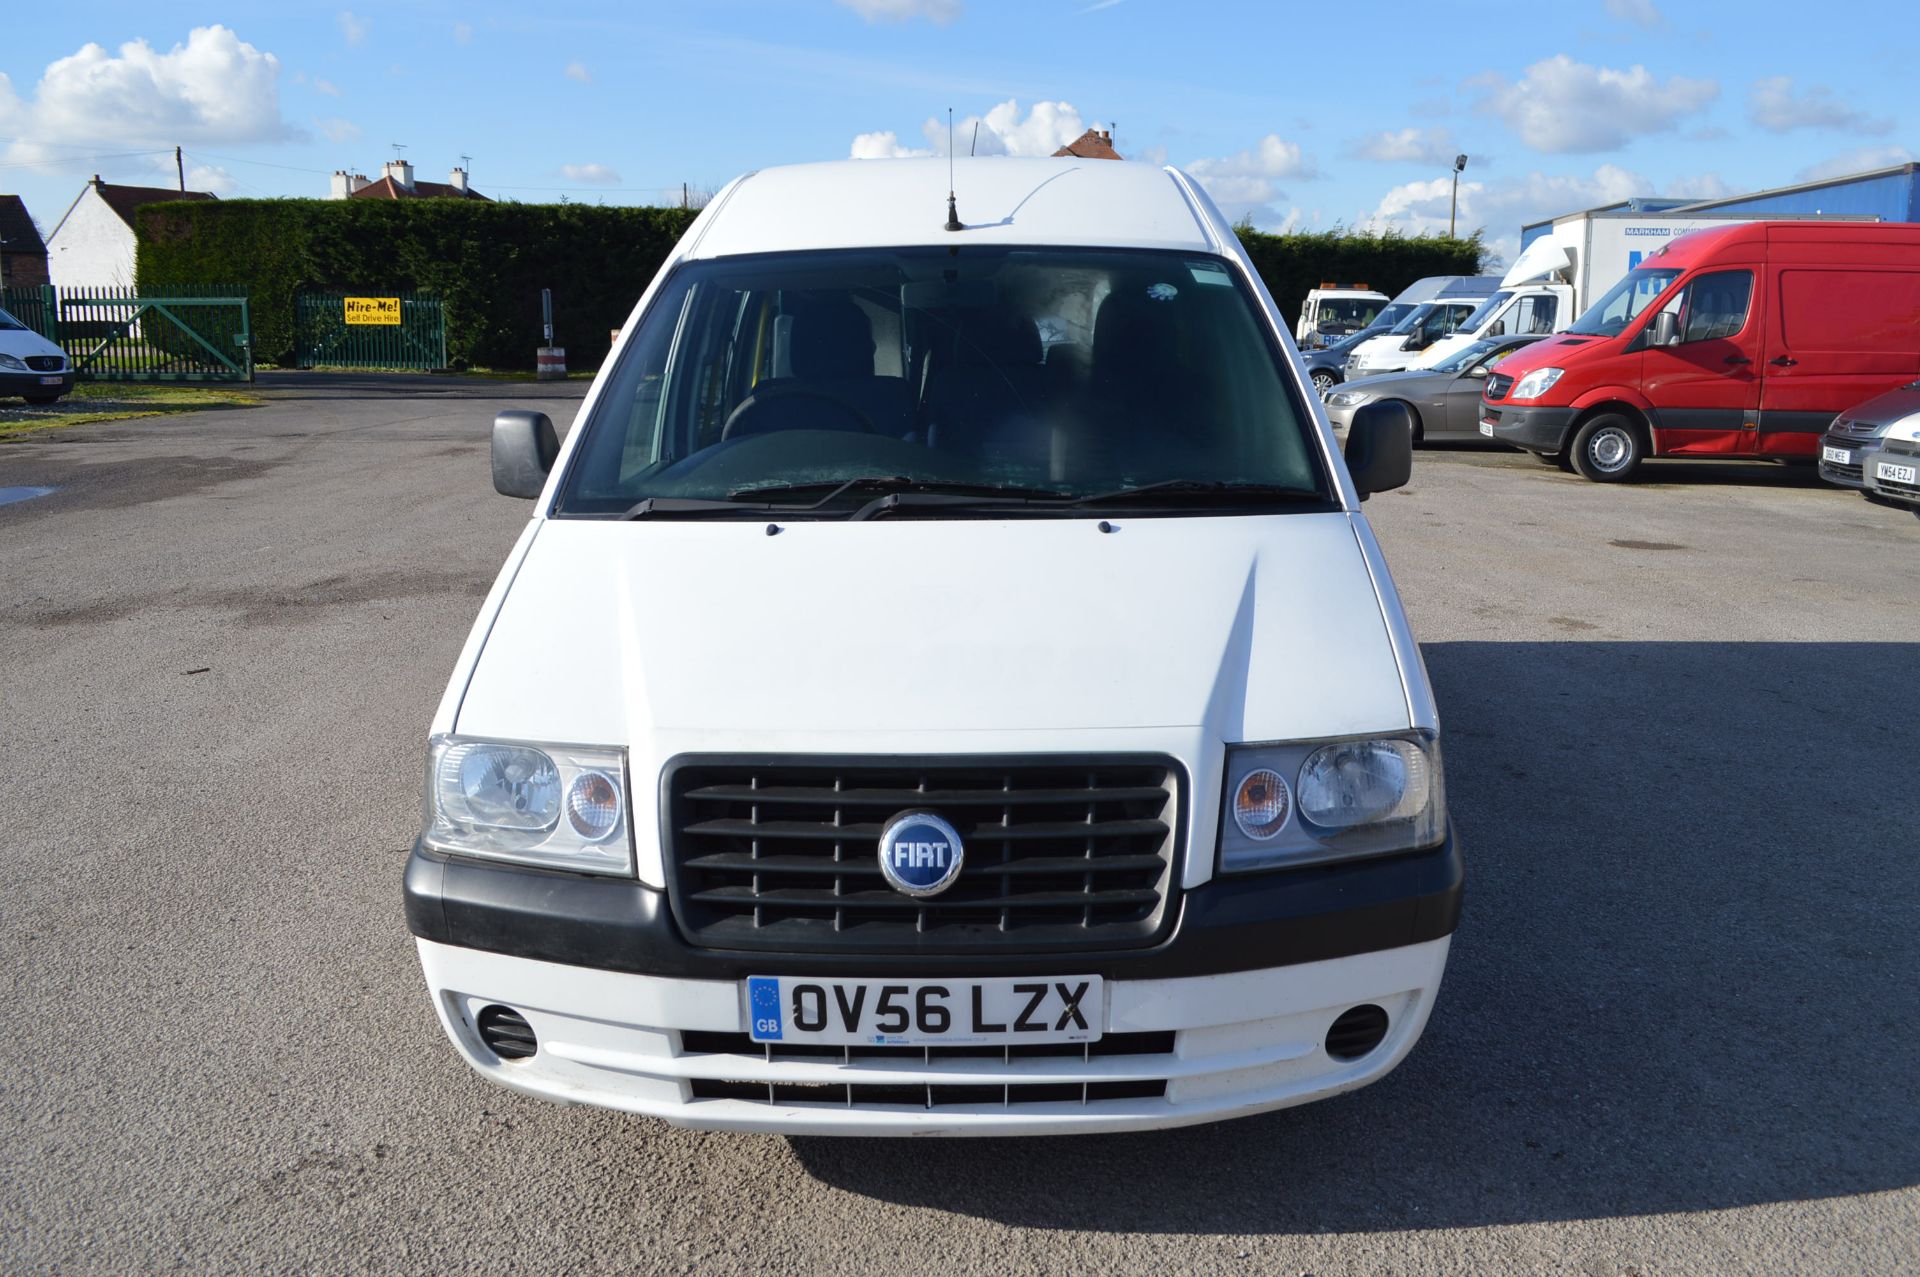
10,495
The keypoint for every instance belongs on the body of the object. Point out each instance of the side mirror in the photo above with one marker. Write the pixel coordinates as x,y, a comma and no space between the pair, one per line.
1412,343
1666,329
1478,370
524,446
1380,447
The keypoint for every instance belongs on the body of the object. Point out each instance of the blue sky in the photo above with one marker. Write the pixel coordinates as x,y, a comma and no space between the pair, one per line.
1342,112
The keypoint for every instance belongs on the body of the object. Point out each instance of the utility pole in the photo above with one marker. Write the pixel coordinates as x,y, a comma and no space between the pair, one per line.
683,195
1459,162
179,168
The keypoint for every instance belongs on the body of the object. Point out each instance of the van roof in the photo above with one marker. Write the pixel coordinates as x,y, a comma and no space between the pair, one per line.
887,203
1696,246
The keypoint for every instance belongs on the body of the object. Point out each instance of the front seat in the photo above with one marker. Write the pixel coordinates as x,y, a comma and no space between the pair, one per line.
830,355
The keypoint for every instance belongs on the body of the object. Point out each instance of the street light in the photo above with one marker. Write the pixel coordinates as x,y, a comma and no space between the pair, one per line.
1459,162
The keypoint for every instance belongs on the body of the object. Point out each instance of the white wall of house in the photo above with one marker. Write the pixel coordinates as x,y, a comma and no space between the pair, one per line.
91,247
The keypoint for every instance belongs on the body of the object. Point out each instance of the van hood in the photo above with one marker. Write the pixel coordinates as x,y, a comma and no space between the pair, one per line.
21,342
1544,353
679,636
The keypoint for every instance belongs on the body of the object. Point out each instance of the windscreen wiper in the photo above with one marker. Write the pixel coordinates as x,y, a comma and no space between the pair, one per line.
1202,491
890,487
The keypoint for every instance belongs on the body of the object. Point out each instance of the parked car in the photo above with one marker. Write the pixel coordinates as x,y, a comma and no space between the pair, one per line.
882,729
1331,312
1857,432
1892,468
1738,341
1444,399
31,366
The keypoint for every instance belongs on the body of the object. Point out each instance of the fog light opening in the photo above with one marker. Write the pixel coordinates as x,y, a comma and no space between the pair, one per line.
506,1033
1357,1032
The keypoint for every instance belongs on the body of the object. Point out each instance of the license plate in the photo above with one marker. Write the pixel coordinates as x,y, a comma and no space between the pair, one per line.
1486,428
1897,473
1839,456
924,1012
51,381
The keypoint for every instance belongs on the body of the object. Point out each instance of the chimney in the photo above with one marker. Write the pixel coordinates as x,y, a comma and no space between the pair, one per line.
401,172
341,185
458,180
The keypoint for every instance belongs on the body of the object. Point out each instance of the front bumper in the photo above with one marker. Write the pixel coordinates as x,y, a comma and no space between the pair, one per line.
1240,1043
1845,473
13,382
1253,973
1883,487
1535,429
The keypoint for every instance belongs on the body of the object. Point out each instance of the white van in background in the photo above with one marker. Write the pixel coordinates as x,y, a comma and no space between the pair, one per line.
1396,349
31,366
1333,311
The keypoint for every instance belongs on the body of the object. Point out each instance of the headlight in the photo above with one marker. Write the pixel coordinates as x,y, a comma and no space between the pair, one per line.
562,806
8,361
1366,797
1347,398
1536,383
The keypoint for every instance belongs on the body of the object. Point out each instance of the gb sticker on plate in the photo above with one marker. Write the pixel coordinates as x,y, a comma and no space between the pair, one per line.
763,1008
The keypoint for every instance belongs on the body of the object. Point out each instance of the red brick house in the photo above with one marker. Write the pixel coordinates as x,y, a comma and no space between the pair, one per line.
1094,144
23,255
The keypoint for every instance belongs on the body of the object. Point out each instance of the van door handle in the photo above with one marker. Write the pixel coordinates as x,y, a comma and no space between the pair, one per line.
1783,361
1738,359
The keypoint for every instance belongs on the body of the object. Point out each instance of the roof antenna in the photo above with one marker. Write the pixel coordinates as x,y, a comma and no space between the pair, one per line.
953,212
975,144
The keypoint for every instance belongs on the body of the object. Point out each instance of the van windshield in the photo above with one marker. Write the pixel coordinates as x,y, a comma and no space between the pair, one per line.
9,324
1345,314
1485,313
1027,377
1411,320
1623,303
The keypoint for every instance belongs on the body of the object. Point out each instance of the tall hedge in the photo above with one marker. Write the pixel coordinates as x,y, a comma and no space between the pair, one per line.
1292,264
489,262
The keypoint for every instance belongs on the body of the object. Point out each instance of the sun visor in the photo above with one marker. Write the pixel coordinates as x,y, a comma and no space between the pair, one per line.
1538,261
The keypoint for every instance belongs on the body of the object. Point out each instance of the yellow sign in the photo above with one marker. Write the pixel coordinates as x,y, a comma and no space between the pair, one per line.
373,310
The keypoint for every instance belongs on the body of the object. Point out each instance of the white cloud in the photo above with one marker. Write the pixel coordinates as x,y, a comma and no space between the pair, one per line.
1639,12
1003,130
1246,183
215,89
1856,161
598,174
209,177
883,145
578,73
327,87
937,11
1773,104
1407,146
337,130
353,27
1500,207
463,33
1561,106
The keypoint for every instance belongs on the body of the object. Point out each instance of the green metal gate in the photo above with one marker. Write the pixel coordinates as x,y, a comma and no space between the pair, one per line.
387,329
125,334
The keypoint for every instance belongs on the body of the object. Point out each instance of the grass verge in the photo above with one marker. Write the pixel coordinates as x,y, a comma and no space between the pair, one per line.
93,402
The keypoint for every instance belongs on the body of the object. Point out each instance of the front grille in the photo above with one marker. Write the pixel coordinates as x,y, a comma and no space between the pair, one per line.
1836,469
1141,1048
1061,853
46,363
1911,490
507,1033
1498,384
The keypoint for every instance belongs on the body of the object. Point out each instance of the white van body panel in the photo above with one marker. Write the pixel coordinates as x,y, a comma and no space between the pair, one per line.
21,342
687,637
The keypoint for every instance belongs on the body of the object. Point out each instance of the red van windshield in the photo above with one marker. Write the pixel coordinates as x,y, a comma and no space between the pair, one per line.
1623,303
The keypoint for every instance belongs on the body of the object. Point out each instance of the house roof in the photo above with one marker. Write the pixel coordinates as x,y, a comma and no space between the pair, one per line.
388,189
1094,144
123,200
17,228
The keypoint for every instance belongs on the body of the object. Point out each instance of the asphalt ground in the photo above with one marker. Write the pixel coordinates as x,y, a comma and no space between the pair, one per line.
1680,1031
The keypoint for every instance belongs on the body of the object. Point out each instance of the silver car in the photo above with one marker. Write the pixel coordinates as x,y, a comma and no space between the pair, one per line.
1444,399
1860,433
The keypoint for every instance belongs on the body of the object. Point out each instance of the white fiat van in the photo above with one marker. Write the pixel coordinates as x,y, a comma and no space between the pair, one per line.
947,685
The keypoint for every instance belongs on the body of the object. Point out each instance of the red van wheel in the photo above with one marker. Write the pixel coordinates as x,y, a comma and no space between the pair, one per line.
1607,449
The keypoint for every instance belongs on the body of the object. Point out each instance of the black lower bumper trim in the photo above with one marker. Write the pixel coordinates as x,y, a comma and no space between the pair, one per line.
1535,429
1231,924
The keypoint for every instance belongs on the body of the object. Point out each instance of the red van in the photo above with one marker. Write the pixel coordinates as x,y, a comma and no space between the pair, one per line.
1737,341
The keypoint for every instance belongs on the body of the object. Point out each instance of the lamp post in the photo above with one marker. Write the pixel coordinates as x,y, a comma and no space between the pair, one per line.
1459,162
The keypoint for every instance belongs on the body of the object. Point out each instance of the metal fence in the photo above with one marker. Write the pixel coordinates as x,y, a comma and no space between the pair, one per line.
370,328
152,334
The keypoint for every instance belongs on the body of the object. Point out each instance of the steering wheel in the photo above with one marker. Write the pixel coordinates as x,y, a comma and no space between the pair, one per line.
739,421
